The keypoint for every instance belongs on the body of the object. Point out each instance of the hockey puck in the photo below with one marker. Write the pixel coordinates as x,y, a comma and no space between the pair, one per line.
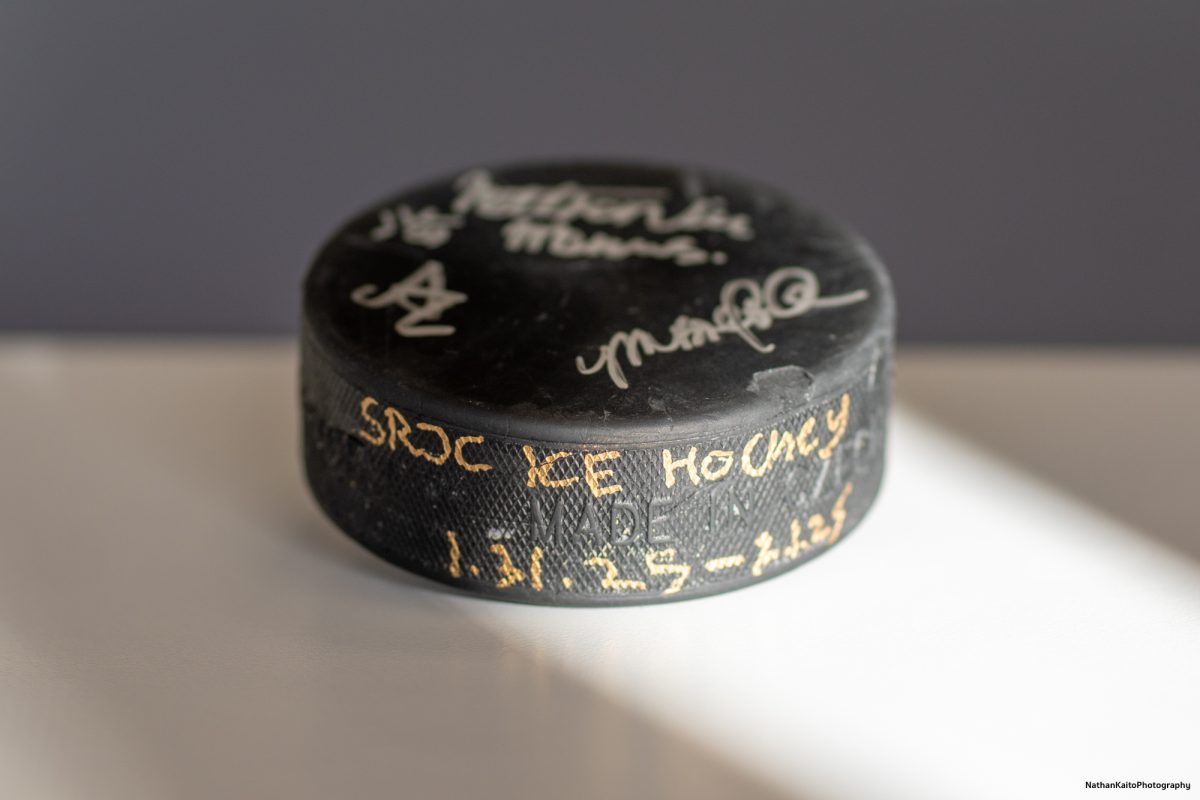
595,383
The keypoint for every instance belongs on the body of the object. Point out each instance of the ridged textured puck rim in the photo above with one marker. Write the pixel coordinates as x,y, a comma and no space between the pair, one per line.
590,383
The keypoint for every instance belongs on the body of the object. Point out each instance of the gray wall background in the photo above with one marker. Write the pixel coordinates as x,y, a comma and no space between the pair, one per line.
1029,170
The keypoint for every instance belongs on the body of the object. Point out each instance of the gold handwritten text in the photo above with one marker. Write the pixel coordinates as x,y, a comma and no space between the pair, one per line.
759,454
434,446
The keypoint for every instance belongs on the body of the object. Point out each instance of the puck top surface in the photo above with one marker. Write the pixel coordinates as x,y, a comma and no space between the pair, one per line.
585,301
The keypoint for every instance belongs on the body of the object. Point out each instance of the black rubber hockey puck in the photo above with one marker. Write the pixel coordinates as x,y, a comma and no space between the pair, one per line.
595,383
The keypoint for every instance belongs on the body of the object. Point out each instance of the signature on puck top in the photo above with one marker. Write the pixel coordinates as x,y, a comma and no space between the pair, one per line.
573,300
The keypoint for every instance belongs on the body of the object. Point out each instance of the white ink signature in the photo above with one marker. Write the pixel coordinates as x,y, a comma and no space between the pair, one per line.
426,226
745,307
522,235
615,206
426,284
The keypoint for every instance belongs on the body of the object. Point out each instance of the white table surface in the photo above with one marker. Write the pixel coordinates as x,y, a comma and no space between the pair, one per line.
1019,613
